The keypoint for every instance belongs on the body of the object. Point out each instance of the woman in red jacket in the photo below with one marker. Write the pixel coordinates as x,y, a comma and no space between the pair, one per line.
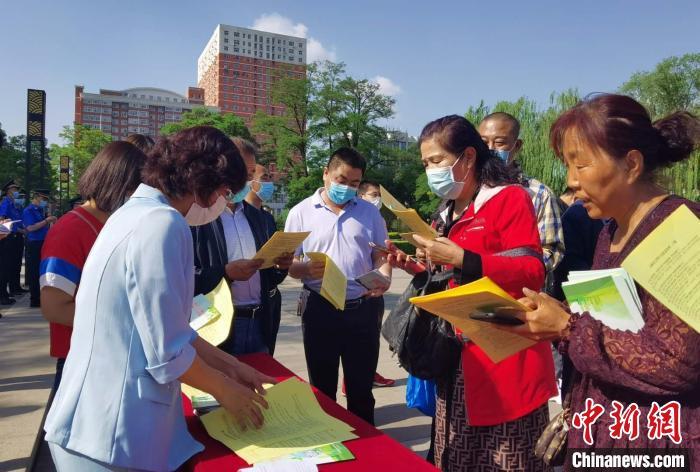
496,411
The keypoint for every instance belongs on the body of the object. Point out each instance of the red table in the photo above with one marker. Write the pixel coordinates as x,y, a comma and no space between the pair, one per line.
373,450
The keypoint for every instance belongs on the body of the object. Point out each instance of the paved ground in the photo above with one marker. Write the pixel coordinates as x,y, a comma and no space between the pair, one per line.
26,375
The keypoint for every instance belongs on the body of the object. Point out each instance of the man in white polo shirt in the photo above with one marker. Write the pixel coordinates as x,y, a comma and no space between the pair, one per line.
342,226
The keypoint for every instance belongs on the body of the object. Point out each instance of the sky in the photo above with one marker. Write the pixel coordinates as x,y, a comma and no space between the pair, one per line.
435,58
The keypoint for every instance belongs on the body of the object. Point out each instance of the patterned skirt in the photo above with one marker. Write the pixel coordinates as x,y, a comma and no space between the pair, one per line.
503,447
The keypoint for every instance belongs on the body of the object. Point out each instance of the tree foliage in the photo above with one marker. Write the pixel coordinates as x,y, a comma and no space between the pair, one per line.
229,123
81,145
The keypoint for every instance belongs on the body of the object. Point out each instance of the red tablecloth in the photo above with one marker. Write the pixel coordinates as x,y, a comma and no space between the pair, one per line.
373,450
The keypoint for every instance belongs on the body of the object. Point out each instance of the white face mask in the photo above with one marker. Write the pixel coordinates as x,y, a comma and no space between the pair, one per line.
377,202
198,216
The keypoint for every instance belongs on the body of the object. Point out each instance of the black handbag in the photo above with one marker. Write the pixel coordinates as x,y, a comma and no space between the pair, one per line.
426,345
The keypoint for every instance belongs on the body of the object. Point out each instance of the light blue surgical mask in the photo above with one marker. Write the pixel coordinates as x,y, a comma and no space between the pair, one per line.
502,154
19,202
15,195
441,181
266,191
43,204
240,196
341,194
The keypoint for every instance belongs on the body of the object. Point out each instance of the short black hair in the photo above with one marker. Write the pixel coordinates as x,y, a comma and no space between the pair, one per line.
503,116
365,185
349,156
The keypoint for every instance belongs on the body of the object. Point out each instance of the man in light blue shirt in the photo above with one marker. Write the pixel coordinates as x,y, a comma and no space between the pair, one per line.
342,226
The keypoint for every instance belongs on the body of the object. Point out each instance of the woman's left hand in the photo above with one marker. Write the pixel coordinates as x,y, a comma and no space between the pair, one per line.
441,251
547,320
250,377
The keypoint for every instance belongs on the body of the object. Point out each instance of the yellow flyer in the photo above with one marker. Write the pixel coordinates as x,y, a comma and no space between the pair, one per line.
334,285
667,265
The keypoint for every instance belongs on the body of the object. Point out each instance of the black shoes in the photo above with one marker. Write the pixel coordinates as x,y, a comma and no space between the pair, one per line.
7,301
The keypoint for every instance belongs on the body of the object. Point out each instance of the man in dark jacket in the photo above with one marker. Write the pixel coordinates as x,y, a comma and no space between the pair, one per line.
224,249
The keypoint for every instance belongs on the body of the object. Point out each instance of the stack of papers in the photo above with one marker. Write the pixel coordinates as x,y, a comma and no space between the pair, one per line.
294,422
455,305
608,295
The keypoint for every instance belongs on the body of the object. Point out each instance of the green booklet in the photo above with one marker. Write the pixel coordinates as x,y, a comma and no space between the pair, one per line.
608,295
335,452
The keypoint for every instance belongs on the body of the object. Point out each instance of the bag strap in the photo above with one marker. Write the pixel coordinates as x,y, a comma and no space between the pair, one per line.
519,252
87,222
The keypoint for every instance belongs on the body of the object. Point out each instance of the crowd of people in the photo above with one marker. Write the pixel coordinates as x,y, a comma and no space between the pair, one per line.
164,221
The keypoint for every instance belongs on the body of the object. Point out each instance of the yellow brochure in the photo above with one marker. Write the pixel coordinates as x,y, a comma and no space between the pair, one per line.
334,285
389,201
280,243
216,331
455,305
667,264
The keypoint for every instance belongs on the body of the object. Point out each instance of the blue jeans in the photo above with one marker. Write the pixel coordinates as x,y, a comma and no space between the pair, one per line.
247,337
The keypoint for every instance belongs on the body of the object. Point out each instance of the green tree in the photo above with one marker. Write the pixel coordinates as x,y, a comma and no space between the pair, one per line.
81,144
287,136
327,102
674,84
229,123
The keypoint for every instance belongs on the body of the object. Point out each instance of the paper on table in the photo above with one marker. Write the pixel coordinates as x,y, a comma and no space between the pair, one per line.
280,243
293,422
389,201
218,330
199,398
283,465
667,264
327,454
455,305
413,220
334,285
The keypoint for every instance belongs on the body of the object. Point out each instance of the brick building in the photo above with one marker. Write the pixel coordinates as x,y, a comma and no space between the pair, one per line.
144,110
238,66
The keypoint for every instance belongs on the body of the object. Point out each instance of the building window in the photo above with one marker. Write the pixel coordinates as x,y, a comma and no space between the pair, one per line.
235,50
300,59
301,45
236,34
226,40
226,33
225,48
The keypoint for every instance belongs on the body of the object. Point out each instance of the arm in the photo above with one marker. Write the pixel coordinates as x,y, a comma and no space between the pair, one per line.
57,306
517,228
663,358
39,225
300,269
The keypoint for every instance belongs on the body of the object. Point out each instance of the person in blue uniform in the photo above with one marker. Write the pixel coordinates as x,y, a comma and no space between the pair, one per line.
36,223
11,247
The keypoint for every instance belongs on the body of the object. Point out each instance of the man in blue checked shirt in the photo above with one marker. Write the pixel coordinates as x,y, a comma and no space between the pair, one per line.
37,225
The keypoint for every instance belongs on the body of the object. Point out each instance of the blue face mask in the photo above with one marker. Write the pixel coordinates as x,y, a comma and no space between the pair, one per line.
501,154
441,181
43,204
266,191
341,194
240,196
15,195
19,202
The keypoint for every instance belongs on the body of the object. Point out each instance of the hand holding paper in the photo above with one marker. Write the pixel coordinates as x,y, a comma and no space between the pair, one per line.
278,245
334,285
216,329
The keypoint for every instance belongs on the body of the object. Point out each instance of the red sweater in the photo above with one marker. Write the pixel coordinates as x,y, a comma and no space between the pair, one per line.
499,219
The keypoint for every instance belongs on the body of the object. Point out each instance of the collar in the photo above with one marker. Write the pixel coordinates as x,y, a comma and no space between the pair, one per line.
317,199
146,191
486,193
